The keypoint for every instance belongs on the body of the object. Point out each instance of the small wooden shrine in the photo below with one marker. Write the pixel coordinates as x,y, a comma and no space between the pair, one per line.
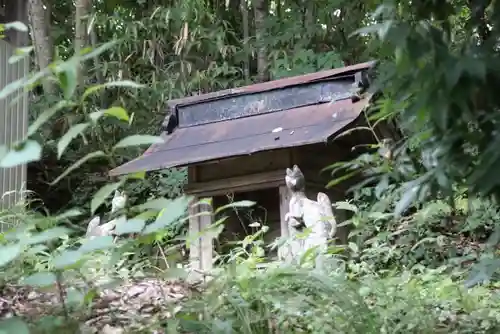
237,144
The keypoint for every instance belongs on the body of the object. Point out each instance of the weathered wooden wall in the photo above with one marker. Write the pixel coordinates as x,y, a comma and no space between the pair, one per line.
243,166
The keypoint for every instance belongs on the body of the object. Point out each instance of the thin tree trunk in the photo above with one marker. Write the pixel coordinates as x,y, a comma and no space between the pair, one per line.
246,62
308,15
97,66
41,39
261,11
81,15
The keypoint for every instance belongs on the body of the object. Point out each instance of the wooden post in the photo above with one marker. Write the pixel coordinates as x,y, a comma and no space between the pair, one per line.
195,243
201,247
285,229
206,242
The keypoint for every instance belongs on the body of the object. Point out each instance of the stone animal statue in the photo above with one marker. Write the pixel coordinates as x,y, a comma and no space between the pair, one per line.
94,229
303,212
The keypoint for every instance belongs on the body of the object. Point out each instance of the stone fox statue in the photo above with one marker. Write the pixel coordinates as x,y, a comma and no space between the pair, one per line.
94,228
303,212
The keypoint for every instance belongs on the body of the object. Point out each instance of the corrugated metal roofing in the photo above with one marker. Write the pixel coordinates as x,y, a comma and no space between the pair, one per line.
282,129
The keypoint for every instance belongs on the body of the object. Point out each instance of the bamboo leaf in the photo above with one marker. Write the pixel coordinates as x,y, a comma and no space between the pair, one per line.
97,243
9,253
239,204
123,84
16,25
27,152
89,53
344,177
72,133
350,131
67,75
46,115
66,259
20,54
102,194
138,140
78,164
409,196
129,226
117,112
40,280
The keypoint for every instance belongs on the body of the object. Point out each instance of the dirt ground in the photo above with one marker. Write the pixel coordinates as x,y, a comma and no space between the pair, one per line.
129,307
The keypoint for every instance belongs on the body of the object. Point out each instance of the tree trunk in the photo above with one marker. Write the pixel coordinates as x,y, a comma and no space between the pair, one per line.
82,8
261,10
97,66
246,62
41,39
308,15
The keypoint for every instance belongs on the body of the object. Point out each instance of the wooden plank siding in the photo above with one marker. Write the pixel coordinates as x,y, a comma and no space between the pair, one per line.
13,125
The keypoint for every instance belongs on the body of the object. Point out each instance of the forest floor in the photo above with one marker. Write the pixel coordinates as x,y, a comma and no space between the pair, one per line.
131,306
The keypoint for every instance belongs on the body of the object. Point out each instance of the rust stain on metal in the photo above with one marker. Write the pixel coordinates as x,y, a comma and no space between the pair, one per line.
298,127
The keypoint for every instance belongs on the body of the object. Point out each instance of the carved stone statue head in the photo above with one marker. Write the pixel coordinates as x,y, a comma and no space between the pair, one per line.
294,179
119,200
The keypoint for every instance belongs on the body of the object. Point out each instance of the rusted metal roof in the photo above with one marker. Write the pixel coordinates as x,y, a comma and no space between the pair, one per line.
275,84
281,129
284,113
272,96
246,105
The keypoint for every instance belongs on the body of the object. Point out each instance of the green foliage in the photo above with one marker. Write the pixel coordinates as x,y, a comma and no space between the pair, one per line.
303,62
51,256
23,153
170,50
300,301
436,74
422,252
450,119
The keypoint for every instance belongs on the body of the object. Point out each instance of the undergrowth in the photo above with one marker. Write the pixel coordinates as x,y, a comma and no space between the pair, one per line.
395,276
